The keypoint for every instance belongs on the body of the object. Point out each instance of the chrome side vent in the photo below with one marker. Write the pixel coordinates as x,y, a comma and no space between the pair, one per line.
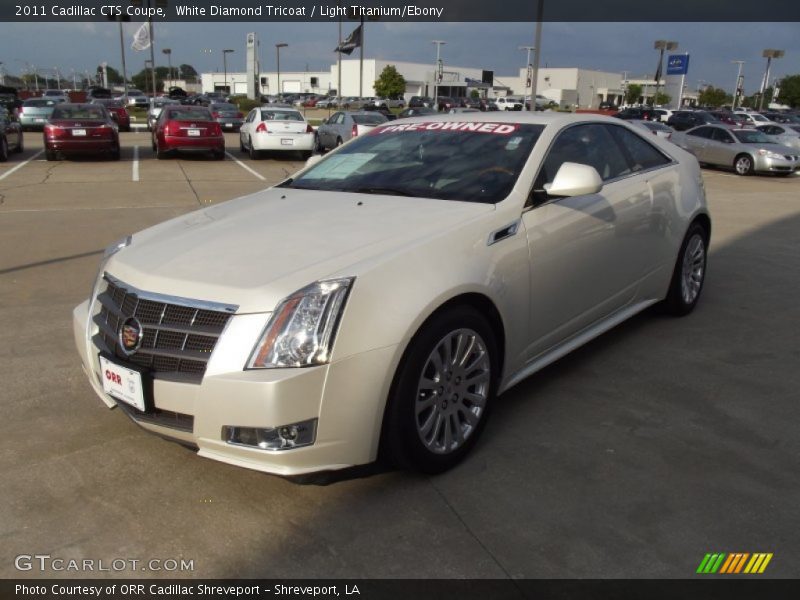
503,233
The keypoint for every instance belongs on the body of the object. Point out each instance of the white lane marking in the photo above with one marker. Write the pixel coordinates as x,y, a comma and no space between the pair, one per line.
75,208
19,166
244,166
135,174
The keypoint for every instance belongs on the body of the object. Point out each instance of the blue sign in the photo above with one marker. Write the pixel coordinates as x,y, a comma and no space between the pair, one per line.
678,64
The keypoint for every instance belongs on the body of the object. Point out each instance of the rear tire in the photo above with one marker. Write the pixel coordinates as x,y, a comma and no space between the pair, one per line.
50,155
3,149
218,155
160,154
116,153
689,273
241,145
254,154
339,142
442,392
21,146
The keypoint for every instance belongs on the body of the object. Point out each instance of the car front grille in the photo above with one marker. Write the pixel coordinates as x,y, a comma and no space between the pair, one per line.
179,334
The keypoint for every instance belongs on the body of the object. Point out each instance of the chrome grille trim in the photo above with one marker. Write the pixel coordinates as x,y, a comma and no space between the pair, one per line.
179,334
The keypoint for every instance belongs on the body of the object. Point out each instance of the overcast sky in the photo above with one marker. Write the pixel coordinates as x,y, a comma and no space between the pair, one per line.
614,47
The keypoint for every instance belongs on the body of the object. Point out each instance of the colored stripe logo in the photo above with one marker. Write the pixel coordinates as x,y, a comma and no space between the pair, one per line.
734,563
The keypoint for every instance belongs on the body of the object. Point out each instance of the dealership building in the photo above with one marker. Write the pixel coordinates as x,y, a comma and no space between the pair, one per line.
565,86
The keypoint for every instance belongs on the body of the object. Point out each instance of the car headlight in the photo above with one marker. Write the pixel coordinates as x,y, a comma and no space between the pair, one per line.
301,331
107,254
770,154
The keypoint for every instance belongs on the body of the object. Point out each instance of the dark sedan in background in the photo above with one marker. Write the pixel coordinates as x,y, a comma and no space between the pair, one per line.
686,119
117,111
227,115
182,128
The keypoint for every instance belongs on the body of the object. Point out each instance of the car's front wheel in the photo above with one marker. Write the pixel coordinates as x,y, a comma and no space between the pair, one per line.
442,392
689,274
743,164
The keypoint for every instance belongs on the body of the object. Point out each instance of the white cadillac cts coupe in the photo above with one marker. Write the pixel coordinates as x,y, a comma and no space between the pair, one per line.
380,300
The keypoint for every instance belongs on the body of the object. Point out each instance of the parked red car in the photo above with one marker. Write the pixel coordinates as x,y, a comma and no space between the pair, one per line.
182,128
117,111
80,129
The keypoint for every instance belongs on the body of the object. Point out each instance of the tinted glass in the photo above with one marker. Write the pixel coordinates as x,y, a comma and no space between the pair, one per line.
281,115
640,155
187,114
702,132
751,137
84,111
591,145
224,106
375,119
38,102
720,135
467,161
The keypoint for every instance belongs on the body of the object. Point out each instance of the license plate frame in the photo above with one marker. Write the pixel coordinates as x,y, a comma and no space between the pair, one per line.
287,142
193,132
78,133
127,384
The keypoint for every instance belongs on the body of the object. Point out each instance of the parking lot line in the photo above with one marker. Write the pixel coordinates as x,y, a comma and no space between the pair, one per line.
135,174
244,166
19,166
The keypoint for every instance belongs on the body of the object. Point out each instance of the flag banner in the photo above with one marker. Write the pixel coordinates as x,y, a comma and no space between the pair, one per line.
678,64
141,39
352,42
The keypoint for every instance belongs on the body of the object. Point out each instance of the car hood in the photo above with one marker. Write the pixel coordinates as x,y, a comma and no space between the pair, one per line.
256,250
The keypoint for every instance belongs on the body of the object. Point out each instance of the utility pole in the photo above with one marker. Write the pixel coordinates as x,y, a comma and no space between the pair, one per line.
529,75
738,85
437,72
661,45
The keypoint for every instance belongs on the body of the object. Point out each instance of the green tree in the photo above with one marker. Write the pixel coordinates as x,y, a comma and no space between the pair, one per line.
114,76
188,73
142,80
474,94
633,93
661,98
712,96
390,83
790,91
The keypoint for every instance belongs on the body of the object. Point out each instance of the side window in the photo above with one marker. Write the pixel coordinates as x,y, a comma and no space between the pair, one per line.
720,135
640,155
702,132
589,144
339,119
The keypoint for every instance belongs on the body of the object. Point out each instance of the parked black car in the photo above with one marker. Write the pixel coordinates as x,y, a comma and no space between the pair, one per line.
10,135
9,100
420,102
416,112
642,113
685,119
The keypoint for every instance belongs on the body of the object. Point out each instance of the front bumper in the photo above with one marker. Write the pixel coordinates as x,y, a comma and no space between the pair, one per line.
346,397
777,165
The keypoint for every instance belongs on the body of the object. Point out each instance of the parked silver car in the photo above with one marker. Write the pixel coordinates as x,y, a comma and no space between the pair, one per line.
654,127
343,126
747,151
781,134
34,112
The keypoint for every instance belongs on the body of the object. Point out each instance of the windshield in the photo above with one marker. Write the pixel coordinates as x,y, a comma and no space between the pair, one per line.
223,106
454,160
38,102
281,115
751,137
375,119
79,112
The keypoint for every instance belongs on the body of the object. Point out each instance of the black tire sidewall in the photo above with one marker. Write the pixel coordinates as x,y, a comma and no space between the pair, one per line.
674,302
400,442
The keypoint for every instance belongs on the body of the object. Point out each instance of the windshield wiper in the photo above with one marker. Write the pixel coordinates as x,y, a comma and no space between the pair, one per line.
382,190
287,183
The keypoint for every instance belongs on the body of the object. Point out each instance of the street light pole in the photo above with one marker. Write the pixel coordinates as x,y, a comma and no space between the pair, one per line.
537,43
225,67
436,82
278,66
738,80
529,75
168,52
769,55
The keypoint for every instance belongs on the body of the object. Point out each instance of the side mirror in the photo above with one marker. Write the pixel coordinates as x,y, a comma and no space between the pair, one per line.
574,179
312,160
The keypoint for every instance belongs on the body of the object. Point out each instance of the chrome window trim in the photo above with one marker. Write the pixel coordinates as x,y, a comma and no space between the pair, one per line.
168,299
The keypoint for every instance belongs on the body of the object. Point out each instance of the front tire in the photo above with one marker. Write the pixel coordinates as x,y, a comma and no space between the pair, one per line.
743,164
442,392
689,273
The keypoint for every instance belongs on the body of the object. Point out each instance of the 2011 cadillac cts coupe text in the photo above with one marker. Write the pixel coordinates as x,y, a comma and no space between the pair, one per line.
380,300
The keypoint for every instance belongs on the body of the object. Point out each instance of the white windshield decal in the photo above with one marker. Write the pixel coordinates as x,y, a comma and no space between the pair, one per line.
479,127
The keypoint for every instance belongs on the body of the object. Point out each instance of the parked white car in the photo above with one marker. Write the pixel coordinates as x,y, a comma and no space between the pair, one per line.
381,298
276,129
509,103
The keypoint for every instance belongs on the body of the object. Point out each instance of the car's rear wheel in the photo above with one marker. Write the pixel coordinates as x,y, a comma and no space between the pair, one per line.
339,142
21,145
160,154
50,155
442,392
115,153
254,154
241,145
3,149
689,273
218,154
743,164
318,148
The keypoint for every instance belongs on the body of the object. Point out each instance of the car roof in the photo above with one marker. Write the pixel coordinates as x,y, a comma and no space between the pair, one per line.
279,107
523,117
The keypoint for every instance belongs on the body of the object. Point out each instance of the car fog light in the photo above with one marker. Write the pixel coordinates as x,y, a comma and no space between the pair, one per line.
284,437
